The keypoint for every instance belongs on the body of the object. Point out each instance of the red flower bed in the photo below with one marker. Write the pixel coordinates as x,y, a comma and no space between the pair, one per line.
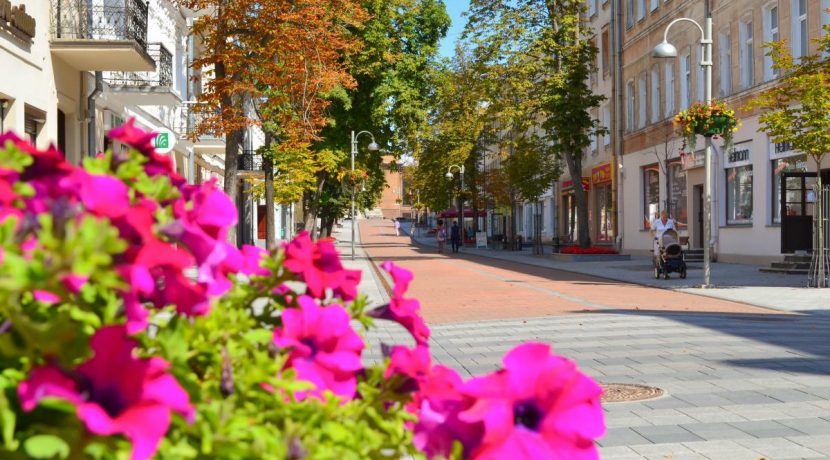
591,250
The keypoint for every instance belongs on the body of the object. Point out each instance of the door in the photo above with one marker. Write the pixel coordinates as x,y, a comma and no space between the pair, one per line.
797,209
698,192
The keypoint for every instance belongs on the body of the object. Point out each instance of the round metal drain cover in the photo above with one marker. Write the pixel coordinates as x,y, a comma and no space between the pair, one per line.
622,392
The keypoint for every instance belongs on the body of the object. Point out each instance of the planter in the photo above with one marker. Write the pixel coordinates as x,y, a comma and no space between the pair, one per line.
590,257
715,126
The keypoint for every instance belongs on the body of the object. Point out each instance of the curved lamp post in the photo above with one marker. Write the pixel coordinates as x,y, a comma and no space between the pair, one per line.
449,176
667,50
373,146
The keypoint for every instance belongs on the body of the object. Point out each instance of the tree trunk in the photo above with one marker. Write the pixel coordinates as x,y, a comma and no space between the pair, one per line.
232,142
314,209
574,162
270,217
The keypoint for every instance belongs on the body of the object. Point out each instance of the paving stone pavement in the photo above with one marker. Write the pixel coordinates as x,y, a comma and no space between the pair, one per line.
736,387
738,384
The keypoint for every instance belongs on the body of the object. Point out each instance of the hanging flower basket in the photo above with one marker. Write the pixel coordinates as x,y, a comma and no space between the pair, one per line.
708,120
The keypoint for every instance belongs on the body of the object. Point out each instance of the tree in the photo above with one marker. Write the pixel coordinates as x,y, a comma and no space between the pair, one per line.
275,63
798,112
539,49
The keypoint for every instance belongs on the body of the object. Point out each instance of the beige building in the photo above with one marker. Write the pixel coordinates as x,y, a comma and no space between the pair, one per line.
749,220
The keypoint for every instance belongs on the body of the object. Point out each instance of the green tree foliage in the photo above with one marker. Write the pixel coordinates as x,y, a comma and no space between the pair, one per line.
538,55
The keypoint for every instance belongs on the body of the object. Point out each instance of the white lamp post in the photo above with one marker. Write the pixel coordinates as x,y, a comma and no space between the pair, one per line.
373,146
449,176
667,50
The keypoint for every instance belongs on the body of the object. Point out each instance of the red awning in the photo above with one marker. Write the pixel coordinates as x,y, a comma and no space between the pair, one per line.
453,212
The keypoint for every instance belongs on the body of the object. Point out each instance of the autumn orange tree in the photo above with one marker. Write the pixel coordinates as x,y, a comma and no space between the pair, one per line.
273,63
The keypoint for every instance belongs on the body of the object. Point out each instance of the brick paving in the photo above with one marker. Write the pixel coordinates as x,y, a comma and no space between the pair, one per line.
741,382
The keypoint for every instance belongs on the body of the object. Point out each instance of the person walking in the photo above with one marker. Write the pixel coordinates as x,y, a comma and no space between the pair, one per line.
441,236
455,236
659,226
397,227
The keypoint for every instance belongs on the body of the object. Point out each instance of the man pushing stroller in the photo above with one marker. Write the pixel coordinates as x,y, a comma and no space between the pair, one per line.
668,254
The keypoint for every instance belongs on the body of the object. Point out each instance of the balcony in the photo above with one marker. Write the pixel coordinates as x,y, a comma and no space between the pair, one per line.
249,162
147,88
186,123
105,35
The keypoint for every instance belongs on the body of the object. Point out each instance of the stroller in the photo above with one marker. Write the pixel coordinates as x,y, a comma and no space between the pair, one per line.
669,257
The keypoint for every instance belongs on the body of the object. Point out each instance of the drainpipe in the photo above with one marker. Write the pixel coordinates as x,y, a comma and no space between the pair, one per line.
617,126
92,129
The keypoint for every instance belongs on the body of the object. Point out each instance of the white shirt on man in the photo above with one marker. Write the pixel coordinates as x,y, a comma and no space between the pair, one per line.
659,227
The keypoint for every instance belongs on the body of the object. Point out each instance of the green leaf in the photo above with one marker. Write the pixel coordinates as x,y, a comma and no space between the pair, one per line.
46,446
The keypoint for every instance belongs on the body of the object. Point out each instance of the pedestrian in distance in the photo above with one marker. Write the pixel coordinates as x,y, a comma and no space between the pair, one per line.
455,236
441,236
659,226
397,227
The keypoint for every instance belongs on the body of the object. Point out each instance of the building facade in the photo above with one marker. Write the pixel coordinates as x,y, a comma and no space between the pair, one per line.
750,221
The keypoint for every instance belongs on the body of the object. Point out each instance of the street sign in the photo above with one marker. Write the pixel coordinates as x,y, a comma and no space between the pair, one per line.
165,140
481,239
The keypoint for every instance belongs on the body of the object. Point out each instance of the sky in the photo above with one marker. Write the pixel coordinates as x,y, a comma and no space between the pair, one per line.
455,8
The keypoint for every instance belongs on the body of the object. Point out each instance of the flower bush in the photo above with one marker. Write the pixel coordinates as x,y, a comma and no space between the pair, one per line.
715,119
588,250
130,328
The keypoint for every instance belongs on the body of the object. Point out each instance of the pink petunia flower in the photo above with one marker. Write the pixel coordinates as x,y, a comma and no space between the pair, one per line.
318,265
323,347
102,195
538,406
405,312
114,392
400,276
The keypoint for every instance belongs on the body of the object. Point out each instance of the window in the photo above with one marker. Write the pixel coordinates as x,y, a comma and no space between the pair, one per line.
606,119
739,195
770,35
605,52
678,204
669,89
593,139
629,109
725,64
655,94
790,164
592,7
641,9
747,55
641,101
629,13
799,14
654,5
825,16
594,69
651,194
685,81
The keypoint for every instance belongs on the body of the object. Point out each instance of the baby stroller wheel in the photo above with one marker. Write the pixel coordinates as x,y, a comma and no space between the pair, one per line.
683,273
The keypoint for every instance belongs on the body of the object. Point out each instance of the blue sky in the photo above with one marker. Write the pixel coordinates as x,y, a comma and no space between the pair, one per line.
455,8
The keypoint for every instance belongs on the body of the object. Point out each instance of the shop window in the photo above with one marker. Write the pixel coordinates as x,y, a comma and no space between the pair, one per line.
651,194
739,195
791,164
678,206
569,214
605,212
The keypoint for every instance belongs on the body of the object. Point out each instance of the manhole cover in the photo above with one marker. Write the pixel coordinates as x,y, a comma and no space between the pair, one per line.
621,392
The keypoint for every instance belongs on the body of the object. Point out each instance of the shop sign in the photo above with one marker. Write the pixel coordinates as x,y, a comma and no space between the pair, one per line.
601,174
16,19
692,160
778,150
738,156
586,184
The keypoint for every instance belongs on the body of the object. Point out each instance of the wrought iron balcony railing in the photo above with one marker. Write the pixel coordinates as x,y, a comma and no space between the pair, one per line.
100,20
189,120
249,160
162,77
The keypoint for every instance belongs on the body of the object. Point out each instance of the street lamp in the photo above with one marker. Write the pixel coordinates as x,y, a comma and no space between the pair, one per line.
667,50
373,146
449,176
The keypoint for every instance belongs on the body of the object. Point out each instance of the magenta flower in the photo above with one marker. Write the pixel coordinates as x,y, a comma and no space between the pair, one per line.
135,137
414,363
319,266
114,392
323,348
103,195
405,312
538,406
400,276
